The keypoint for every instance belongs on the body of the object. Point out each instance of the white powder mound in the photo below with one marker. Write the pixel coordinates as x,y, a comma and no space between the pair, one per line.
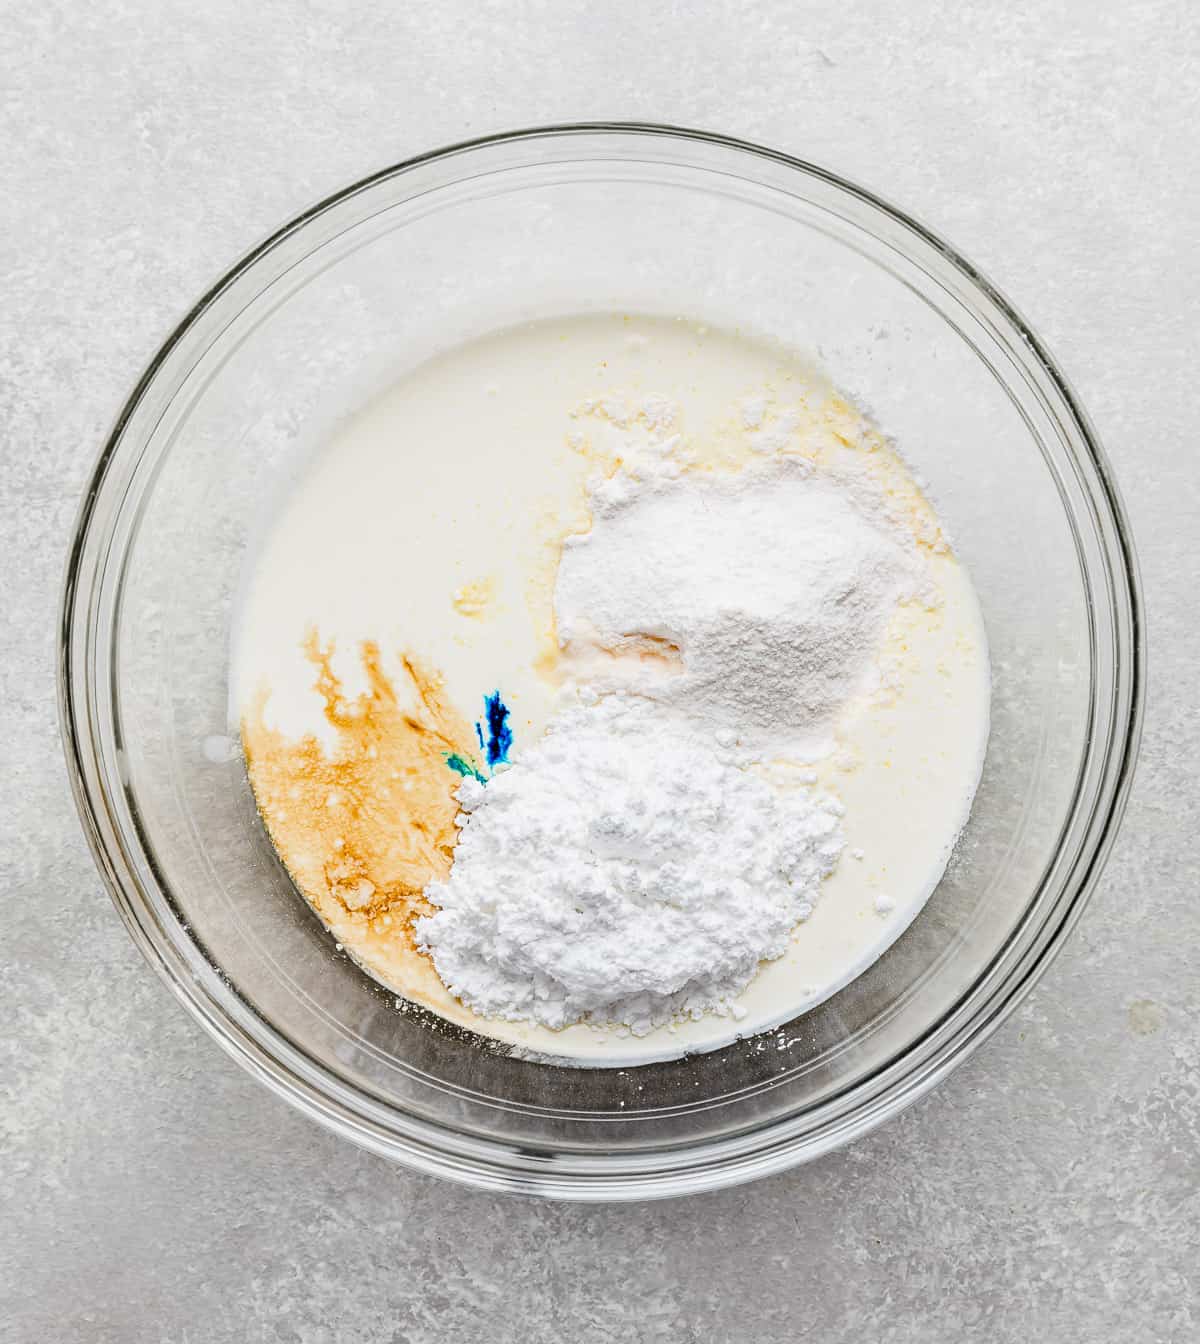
621,872
764,596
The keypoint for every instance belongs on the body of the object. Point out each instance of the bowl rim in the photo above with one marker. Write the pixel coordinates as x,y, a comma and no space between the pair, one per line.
490,1164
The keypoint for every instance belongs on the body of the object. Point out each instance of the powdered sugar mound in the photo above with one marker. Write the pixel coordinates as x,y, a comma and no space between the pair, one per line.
621,872
771,588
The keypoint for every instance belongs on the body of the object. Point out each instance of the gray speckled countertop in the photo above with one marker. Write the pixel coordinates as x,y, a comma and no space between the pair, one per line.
153,1191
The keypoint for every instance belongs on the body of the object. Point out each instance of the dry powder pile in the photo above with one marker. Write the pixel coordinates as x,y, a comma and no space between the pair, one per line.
636,864
768,588
621,872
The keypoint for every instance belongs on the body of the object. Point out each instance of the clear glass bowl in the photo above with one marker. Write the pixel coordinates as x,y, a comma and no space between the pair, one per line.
566,220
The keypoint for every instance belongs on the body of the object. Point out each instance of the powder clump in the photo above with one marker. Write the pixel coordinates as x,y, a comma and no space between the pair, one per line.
774,584
621,872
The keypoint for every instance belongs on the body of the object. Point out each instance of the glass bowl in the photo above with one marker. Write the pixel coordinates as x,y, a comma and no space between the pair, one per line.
547,222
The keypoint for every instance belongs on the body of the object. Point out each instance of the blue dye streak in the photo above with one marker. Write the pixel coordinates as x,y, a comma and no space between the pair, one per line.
461,766
495,736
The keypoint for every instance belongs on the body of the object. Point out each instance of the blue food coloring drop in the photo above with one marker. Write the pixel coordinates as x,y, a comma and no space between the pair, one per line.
495,736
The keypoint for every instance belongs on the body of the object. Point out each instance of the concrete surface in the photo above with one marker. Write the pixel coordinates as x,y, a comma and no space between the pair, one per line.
151,1190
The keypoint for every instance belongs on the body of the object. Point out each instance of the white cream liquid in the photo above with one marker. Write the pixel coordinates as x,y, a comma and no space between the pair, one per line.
432,523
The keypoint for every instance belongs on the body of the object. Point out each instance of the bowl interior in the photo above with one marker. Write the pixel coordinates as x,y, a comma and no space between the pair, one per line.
362,291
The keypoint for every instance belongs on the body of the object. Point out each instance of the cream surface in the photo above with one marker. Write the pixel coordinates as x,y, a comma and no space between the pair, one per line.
431,529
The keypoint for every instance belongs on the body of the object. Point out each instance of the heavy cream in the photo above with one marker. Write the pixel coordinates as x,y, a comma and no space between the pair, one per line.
414,571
